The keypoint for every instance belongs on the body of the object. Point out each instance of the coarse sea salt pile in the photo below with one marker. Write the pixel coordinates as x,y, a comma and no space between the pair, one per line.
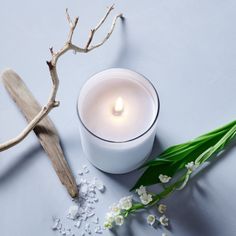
82,213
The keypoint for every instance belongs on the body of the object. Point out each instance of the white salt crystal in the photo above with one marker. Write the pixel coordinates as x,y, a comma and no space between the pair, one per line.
56,224
85,168
73,212
87,228
54,227
78,223
98,230
83,189
99,185
91,194
82,181
63,232
90,214
59,226
83,208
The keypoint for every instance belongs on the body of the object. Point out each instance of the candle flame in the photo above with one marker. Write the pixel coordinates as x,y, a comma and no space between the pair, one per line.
118,107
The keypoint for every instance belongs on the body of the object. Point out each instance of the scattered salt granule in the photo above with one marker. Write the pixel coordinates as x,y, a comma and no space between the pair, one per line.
56,223
82,212
85,168
98,184
98,230
63,232
73,212
78,224
87,228
95,199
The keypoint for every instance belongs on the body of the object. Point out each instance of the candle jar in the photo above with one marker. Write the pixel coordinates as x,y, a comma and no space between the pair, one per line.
118,110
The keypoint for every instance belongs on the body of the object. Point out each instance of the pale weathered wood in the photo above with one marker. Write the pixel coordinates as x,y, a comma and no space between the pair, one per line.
45,130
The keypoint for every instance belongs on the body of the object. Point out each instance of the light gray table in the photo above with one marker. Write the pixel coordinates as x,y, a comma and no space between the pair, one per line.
187,48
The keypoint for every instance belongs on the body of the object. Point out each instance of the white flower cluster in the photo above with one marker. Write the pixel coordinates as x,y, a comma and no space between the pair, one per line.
145,197
115,215
163,220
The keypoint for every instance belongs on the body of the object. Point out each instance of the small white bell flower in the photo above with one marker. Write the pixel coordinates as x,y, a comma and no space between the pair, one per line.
164,220
115,208
146,198
151,219
109,217
164,178
119,220
191,166
162,208
141,190
126,203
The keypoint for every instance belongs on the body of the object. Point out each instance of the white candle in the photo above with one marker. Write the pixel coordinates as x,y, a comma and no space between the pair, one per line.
118,109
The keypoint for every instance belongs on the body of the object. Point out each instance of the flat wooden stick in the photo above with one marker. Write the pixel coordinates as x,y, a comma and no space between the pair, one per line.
45,130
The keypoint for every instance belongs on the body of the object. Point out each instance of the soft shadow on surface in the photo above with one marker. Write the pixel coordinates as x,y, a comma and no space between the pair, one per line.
127,228
123,56
129,179
184,207
20,163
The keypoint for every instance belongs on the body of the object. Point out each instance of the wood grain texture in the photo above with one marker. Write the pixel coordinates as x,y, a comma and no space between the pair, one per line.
45,130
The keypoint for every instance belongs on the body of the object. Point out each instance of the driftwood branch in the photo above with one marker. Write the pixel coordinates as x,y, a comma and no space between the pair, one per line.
52,65
45,129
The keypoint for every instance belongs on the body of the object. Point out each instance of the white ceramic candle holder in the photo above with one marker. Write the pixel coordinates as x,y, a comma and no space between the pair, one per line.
118,110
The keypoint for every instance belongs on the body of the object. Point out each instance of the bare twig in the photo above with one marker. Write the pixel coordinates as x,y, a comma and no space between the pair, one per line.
92,31
108,34
52,65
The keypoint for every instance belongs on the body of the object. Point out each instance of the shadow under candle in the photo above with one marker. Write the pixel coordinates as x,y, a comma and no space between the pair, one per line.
129,179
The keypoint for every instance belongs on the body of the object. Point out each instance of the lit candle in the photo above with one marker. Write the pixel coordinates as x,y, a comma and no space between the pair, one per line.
118,109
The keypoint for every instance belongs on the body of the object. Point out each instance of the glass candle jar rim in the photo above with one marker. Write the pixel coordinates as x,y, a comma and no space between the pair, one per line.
129,140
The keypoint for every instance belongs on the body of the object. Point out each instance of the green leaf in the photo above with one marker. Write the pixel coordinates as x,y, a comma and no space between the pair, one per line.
150,175
176,157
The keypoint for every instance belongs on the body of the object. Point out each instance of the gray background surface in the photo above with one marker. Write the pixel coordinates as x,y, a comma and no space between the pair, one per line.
187,48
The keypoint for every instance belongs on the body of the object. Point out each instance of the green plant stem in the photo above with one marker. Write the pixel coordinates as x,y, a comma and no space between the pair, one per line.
156,198
228,136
